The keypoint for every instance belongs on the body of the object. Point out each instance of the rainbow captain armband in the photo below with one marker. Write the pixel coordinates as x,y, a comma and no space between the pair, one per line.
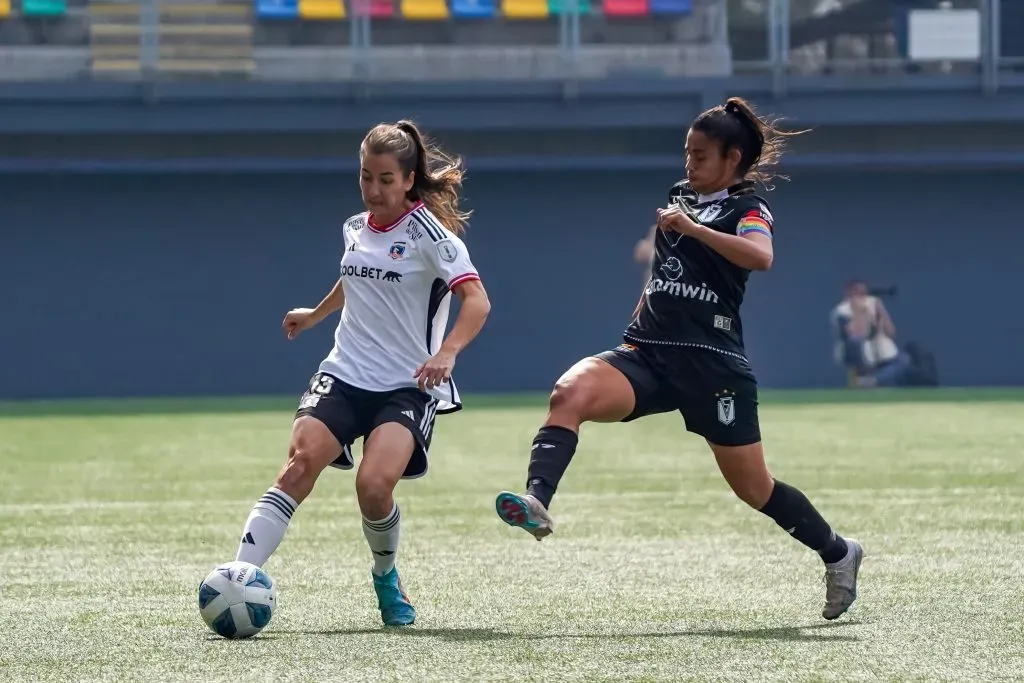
754,222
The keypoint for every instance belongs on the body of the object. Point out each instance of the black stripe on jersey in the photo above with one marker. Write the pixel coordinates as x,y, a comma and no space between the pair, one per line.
438,291
431,226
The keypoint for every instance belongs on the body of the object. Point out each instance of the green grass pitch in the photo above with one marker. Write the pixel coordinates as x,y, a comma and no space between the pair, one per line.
112,512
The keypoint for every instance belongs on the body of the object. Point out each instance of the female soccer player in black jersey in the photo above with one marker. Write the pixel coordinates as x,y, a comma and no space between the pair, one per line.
684,349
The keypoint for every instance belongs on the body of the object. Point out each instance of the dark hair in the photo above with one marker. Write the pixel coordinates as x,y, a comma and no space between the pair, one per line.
438,175
735,124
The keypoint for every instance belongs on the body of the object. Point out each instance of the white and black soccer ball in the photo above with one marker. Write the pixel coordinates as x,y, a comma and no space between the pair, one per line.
237,600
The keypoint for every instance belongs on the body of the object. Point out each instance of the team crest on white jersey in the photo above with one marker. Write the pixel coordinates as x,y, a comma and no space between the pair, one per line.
397,251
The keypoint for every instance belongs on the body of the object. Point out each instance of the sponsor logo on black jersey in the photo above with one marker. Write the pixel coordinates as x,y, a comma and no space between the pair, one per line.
672,270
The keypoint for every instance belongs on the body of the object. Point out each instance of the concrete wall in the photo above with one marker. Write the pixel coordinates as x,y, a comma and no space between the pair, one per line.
163,285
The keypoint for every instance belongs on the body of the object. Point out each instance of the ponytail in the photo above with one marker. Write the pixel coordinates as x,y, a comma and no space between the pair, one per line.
437,180
437,176
759,140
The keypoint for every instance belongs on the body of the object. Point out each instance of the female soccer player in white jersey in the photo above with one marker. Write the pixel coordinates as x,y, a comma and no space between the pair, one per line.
389,372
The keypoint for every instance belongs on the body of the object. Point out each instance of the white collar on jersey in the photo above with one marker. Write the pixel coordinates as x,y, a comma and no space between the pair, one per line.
714,197
741,187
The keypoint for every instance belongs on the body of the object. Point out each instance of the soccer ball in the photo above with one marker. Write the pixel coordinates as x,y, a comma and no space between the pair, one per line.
237,600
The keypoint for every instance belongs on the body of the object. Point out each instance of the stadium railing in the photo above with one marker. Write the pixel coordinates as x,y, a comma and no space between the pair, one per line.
493,39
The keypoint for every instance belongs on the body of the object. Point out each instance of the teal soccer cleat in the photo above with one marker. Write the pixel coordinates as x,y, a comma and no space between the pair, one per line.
395,608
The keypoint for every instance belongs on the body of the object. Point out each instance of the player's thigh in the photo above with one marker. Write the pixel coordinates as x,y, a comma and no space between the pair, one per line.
326,424
621,385
399,439
386,454
720,404
592,390
313,440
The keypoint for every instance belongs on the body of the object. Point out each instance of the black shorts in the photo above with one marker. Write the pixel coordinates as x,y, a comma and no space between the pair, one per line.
715,393
352,413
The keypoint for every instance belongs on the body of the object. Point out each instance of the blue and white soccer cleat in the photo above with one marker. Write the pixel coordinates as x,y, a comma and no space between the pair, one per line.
526,512
395,608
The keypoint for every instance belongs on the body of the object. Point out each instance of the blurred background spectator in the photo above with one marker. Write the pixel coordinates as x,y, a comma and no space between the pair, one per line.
866,339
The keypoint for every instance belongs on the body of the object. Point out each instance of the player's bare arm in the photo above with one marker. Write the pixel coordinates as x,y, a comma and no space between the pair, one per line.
472,315
299,320
752,251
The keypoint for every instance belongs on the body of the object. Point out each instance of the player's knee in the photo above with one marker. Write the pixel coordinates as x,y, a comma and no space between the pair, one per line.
571,395
373,492
300,471
753,491
298,475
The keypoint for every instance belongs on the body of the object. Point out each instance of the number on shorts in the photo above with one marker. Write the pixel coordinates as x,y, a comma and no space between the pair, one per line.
321,384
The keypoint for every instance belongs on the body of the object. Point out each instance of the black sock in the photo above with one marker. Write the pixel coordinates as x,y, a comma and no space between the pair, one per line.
550,456
793,512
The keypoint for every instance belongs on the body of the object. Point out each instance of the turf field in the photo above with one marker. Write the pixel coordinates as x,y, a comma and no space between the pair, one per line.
111,513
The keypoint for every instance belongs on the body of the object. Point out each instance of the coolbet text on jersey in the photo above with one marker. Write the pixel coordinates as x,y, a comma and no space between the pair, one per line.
398,281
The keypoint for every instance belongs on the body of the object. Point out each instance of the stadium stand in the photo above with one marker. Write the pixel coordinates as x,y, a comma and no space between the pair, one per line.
525,9
474,9
192,40
424,10
278,9
44,8
434,39
322,10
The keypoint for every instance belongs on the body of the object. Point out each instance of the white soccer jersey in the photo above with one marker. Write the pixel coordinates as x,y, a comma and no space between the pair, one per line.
398,280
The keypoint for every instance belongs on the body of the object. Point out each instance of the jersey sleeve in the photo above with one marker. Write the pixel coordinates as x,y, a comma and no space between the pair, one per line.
351,226
450,261
756,218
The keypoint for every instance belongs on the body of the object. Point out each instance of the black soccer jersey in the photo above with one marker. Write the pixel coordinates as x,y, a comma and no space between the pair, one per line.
694,295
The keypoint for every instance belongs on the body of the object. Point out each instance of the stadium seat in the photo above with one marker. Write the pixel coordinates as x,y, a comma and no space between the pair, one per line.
626,8
277,9
671,6
424,10
5,8
525,9
44,8
319,10
566,6
375,9
474,9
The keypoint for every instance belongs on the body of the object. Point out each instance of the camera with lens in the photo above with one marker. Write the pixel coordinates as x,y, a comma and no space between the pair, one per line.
882,292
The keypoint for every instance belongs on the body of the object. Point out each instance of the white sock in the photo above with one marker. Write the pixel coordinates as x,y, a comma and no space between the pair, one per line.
382,536
266,526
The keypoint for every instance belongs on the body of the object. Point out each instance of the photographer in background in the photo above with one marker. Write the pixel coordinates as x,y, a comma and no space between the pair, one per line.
643,252
865,339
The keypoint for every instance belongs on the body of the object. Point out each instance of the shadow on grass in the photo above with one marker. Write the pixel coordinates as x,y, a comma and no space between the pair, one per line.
816,632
